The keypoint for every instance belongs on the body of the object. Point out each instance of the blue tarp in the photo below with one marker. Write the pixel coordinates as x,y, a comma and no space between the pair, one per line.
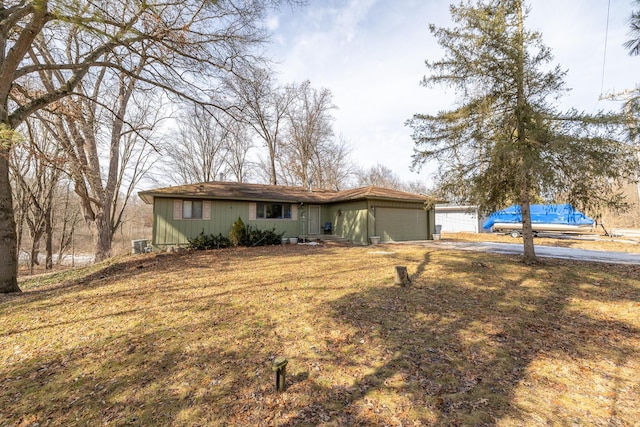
540,214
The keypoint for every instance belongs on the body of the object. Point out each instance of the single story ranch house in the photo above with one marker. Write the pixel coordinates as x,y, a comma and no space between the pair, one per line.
184,211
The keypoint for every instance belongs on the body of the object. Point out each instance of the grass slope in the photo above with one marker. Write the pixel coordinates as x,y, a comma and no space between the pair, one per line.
478,339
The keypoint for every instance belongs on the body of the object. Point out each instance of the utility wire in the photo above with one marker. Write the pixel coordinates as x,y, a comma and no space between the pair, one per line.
604,59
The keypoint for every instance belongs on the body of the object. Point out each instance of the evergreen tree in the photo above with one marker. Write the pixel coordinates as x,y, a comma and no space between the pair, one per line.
633,44
505,141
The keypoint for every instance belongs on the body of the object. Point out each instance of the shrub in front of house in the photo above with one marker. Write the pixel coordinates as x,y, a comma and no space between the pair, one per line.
255,237
245,235
237,232
203,242
240,235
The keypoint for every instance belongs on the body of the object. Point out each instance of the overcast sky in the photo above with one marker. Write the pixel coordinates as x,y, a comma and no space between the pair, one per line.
371,53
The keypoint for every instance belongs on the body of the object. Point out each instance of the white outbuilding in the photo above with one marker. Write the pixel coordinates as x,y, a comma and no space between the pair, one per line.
456,219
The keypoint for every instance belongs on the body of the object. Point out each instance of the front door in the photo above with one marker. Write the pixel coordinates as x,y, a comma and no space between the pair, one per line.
314,219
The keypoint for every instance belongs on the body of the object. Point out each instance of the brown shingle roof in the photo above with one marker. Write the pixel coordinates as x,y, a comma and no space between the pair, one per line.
277,193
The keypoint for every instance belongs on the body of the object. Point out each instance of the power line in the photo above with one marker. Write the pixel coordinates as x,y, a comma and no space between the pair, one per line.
625,95
606,38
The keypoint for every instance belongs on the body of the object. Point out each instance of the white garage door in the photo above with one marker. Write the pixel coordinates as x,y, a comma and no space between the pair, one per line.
455,222
398,225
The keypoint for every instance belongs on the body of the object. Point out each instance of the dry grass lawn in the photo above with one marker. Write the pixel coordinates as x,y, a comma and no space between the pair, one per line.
188,340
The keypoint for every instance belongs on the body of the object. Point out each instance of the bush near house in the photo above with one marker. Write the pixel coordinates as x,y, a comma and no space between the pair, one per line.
256,237
245,235
240,235
237,232
204,242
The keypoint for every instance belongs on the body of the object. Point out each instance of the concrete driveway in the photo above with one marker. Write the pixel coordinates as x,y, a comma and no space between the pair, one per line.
542,251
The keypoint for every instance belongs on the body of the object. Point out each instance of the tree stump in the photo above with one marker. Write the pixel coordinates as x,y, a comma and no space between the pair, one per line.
401,276
279,366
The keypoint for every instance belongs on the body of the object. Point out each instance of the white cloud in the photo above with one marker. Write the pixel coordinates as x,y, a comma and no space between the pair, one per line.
273,23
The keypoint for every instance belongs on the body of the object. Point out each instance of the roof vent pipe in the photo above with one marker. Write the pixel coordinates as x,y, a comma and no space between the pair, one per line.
310,185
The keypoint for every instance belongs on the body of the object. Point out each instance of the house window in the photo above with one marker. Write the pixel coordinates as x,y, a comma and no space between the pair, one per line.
192,209
273,211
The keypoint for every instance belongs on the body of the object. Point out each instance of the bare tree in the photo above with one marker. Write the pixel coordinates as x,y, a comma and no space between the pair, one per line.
105,146
310,130
263,106
331,165
238,146
380,176
417,187
197,152
36,173
383,176
189,44
67,217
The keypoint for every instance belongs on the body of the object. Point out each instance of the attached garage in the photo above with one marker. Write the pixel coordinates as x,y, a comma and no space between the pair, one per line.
397,224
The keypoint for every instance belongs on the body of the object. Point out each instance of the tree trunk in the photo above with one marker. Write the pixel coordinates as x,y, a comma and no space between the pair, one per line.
103,245
48,233
19,218
273,176
8,238
68,228
36,230
527,230
35,251
521,117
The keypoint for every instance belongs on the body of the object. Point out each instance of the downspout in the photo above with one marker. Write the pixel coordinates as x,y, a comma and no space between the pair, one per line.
370,217
430,208
301,219
375,220
368,221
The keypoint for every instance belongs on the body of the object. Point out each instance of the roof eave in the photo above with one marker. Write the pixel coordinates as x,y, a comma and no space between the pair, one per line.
148,197
373,197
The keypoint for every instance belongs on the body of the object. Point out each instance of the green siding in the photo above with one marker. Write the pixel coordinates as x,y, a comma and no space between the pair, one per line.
173,232
325,216
407,234
401,224
291,228
352,223
328,213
